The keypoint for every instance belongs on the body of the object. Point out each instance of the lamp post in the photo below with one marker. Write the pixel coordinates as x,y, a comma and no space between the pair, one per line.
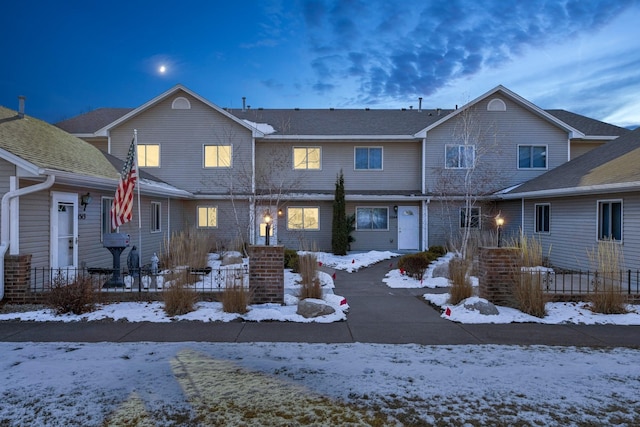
499,223
267,228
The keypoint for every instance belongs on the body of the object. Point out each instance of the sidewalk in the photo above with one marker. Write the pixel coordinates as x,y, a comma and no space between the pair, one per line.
378,314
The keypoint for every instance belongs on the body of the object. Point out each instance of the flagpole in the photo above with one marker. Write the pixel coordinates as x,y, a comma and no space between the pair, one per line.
137,165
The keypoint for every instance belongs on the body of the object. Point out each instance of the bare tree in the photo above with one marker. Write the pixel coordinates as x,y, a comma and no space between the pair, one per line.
468,176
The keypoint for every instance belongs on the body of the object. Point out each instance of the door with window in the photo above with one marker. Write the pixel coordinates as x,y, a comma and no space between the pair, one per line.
408,228
64,230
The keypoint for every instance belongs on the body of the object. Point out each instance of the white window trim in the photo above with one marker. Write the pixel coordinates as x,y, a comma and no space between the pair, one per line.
207,227
459,167
307,147
496,104
156,207
204,147
159,155
303,209
102,200
372,229
546,157
462,208
181,103
369,169
598,202
535,218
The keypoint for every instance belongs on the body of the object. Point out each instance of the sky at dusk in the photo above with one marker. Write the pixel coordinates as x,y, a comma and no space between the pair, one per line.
71,56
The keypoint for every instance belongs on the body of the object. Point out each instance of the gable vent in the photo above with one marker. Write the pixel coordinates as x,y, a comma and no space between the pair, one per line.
181,103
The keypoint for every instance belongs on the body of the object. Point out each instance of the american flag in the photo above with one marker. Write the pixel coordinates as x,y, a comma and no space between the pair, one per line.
122,208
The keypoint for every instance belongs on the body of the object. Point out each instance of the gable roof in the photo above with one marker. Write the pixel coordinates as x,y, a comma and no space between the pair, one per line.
348,123
177,88
610,167
37,146
88,123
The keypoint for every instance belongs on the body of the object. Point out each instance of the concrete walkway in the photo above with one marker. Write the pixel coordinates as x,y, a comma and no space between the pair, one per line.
378,314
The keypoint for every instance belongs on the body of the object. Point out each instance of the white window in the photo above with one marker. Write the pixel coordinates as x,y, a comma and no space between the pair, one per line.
307,157
217,156
610,220
372,218
460,156
303,218
149,155
207,217
368,158
156,210
532,156
181,103
496,105
473,218
542,218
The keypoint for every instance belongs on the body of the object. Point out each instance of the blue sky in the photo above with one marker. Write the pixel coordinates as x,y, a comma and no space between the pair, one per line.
71,56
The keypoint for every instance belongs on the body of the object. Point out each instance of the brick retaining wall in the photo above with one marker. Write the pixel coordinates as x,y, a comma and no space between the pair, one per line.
496,267
266,274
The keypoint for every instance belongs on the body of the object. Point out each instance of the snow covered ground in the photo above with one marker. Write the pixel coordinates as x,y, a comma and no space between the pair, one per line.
283,384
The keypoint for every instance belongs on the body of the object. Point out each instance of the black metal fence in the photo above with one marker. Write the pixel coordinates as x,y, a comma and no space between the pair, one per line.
571,284
207,279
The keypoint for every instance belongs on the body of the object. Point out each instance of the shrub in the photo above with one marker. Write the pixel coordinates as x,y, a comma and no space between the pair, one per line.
461,287
179,298
310,284
291,259
77,296
607,261
416,264
438,251
528,292
235,297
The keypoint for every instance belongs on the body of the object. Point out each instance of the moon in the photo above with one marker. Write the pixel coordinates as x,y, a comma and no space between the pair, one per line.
162,69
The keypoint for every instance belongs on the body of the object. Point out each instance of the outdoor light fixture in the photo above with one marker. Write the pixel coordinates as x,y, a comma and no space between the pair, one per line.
280,213
267,227
85,200
395,209
499,223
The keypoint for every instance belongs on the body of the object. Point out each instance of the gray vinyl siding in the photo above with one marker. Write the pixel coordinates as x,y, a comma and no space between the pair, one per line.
573,229
229,229
384,240
444,221
400,173
35,239
6,170
497,150
578,148
511,212
181,135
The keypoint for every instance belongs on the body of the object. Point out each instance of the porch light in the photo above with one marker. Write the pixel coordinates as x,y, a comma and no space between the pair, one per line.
267,228
499,224
85,200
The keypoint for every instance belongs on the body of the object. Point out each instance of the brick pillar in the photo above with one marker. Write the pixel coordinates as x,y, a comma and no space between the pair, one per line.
496,268
17,278
266,274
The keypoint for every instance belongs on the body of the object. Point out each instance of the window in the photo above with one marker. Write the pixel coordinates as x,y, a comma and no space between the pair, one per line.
368,158
303,218
155,217
181,103
474,218
542,218
149,155
610,220
496,105
532,157
217,156
460,156
306,157
105,216
207,217
372,218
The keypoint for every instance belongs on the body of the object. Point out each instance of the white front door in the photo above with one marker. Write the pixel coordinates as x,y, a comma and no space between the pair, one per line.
64,230
408,228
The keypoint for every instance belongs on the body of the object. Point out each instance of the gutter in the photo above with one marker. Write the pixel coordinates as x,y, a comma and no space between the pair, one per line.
4,219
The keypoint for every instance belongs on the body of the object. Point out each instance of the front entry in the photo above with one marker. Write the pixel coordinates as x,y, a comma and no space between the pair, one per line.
408,228
64,230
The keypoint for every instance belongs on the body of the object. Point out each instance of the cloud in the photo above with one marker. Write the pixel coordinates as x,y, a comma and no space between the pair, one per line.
415,49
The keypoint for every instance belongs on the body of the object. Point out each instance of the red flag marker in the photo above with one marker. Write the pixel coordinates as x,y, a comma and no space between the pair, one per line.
353,261
448,311
391,265
320,263
402,271
343,302
334,276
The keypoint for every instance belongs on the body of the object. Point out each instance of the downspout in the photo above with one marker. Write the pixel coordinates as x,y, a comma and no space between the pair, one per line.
5,220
